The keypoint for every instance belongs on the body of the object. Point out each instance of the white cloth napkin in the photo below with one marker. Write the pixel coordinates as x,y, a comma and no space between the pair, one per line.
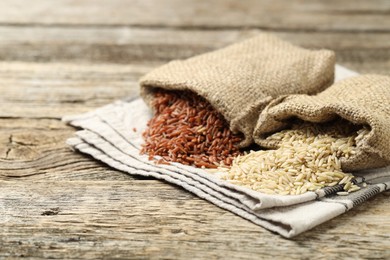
107,135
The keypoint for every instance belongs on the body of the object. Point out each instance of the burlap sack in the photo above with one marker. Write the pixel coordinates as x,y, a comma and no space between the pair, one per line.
362,100
241,79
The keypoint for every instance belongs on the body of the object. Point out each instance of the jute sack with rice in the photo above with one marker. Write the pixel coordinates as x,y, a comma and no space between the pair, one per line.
241,79
362,100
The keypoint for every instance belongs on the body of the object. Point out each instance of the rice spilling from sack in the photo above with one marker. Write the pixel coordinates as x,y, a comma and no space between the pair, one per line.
307,159
186,129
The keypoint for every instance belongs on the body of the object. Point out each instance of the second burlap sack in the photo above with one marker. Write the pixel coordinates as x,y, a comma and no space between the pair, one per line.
362,100
241,79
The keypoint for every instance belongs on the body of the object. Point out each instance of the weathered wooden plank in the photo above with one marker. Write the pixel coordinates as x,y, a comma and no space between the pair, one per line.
123,36
124,219
120,45
365,52
54,90
35,150
342,15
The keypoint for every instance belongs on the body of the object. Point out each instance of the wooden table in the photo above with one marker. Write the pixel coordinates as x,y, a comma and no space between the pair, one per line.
70,56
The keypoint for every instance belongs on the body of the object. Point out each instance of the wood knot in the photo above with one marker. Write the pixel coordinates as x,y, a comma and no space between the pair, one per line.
51,212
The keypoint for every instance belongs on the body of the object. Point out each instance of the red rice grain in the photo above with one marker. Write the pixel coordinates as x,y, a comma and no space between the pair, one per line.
186,129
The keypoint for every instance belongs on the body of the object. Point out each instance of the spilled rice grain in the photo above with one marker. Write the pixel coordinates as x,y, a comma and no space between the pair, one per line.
307,159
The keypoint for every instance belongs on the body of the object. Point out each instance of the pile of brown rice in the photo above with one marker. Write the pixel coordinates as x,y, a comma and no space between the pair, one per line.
186,129
307,159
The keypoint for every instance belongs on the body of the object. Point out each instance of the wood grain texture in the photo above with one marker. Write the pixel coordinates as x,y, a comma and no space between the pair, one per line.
315,15
150,219
55,90
364,52
67,57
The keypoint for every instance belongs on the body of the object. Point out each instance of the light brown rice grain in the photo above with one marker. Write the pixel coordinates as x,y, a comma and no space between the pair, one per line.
307,159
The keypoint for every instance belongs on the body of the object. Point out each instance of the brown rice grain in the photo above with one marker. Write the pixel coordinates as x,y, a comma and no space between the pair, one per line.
185,127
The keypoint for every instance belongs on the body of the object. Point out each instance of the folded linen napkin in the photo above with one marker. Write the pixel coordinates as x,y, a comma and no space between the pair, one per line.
107,136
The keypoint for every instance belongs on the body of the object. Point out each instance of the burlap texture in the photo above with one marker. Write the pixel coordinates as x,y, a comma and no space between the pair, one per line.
241,79
362,100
